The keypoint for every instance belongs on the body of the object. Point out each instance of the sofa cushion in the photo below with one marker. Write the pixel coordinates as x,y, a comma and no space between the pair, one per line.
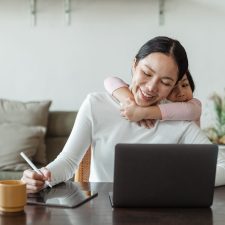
16,138
32,114
11,175
60,124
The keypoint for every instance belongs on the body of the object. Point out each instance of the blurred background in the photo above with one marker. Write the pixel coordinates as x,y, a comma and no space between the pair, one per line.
47,52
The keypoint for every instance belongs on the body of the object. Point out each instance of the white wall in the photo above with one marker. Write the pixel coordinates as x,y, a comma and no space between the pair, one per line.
64,63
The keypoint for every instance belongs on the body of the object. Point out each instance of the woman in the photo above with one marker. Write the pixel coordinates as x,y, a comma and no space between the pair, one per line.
158,66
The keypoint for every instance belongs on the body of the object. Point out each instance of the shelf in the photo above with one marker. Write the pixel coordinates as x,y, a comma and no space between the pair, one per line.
161,12
33,11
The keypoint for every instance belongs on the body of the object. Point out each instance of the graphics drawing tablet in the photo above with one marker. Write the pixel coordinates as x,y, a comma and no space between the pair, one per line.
67,194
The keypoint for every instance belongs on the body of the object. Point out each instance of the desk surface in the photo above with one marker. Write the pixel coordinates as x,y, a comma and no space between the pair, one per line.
99,211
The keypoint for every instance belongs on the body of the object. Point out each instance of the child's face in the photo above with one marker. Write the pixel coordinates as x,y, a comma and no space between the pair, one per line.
181,92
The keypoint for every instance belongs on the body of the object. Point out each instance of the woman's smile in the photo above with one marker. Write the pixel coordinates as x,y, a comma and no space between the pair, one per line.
147,96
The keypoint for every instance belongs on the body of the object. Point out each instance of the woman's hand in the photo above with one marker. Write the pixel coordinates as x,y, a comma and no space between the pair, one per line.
146,123
34,181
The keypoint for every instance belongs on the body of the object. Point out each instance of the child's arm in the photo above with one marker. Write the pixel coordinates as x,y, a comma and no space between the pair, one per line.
118,89
131,111
190,110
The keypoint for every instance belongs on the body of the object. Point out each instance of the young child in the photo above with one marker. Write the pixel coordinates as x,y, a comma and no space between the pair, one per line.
180,104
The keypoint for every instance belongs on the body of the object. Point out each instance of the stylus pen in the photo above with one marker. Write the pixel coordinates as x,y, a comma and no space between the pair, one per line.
34,167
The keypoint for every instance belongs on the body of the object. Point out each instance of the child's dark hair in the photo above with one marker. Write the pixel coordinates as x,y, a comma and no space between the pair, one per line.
190,80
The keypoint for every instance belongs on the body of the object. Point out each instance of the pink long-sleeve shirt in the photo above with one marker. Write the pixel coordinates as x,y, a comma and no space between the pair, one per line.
190,110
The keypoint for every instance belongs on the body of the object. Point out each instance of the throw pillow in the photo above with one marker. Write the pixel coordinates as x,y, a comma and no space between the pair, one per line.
16,138
33,113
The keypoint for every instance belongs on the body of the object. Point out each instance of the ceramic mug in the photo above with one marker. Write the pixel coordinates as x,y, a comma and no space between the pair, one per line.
13,196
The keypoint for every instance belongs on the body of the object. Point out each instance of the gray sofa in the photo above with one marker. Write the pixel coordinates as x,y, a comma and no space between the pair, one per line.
60,124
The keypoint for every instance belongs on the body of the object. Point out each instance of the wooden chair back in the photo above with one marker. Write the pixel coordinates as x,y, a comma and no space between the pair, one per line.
83,172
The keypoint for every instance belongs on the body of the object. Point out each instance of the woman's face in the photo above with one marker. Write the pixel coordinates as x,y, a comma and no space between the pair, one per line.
181,92
153,78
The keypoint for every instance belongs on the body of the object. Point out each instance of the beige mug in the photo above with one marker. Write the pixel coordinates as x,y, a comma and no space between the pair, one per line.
13,196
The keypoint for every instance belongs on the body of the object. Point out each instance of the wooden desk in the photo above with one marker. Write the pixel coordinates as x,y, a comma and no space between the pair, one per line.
98,211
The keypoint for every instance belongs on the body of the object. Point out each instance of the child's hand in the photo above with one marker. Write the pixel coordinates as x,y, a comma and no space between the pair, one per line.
131,111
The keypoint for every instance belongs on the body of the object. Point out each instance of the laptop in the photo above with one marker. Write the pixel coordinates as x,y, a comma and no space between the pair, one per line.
164,175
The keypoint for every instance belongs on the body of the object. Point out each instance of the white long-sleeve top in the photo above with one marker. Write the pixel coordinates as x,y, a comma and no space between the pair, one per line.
99,123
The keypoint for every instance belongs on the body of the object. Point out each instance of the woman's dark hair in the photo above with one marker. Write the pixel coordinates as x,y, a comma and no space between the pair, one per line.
190,80
167,46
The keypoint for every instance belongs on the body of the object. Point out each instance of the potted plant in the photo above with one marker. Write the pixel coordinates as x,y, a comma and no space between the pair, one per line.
216,132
